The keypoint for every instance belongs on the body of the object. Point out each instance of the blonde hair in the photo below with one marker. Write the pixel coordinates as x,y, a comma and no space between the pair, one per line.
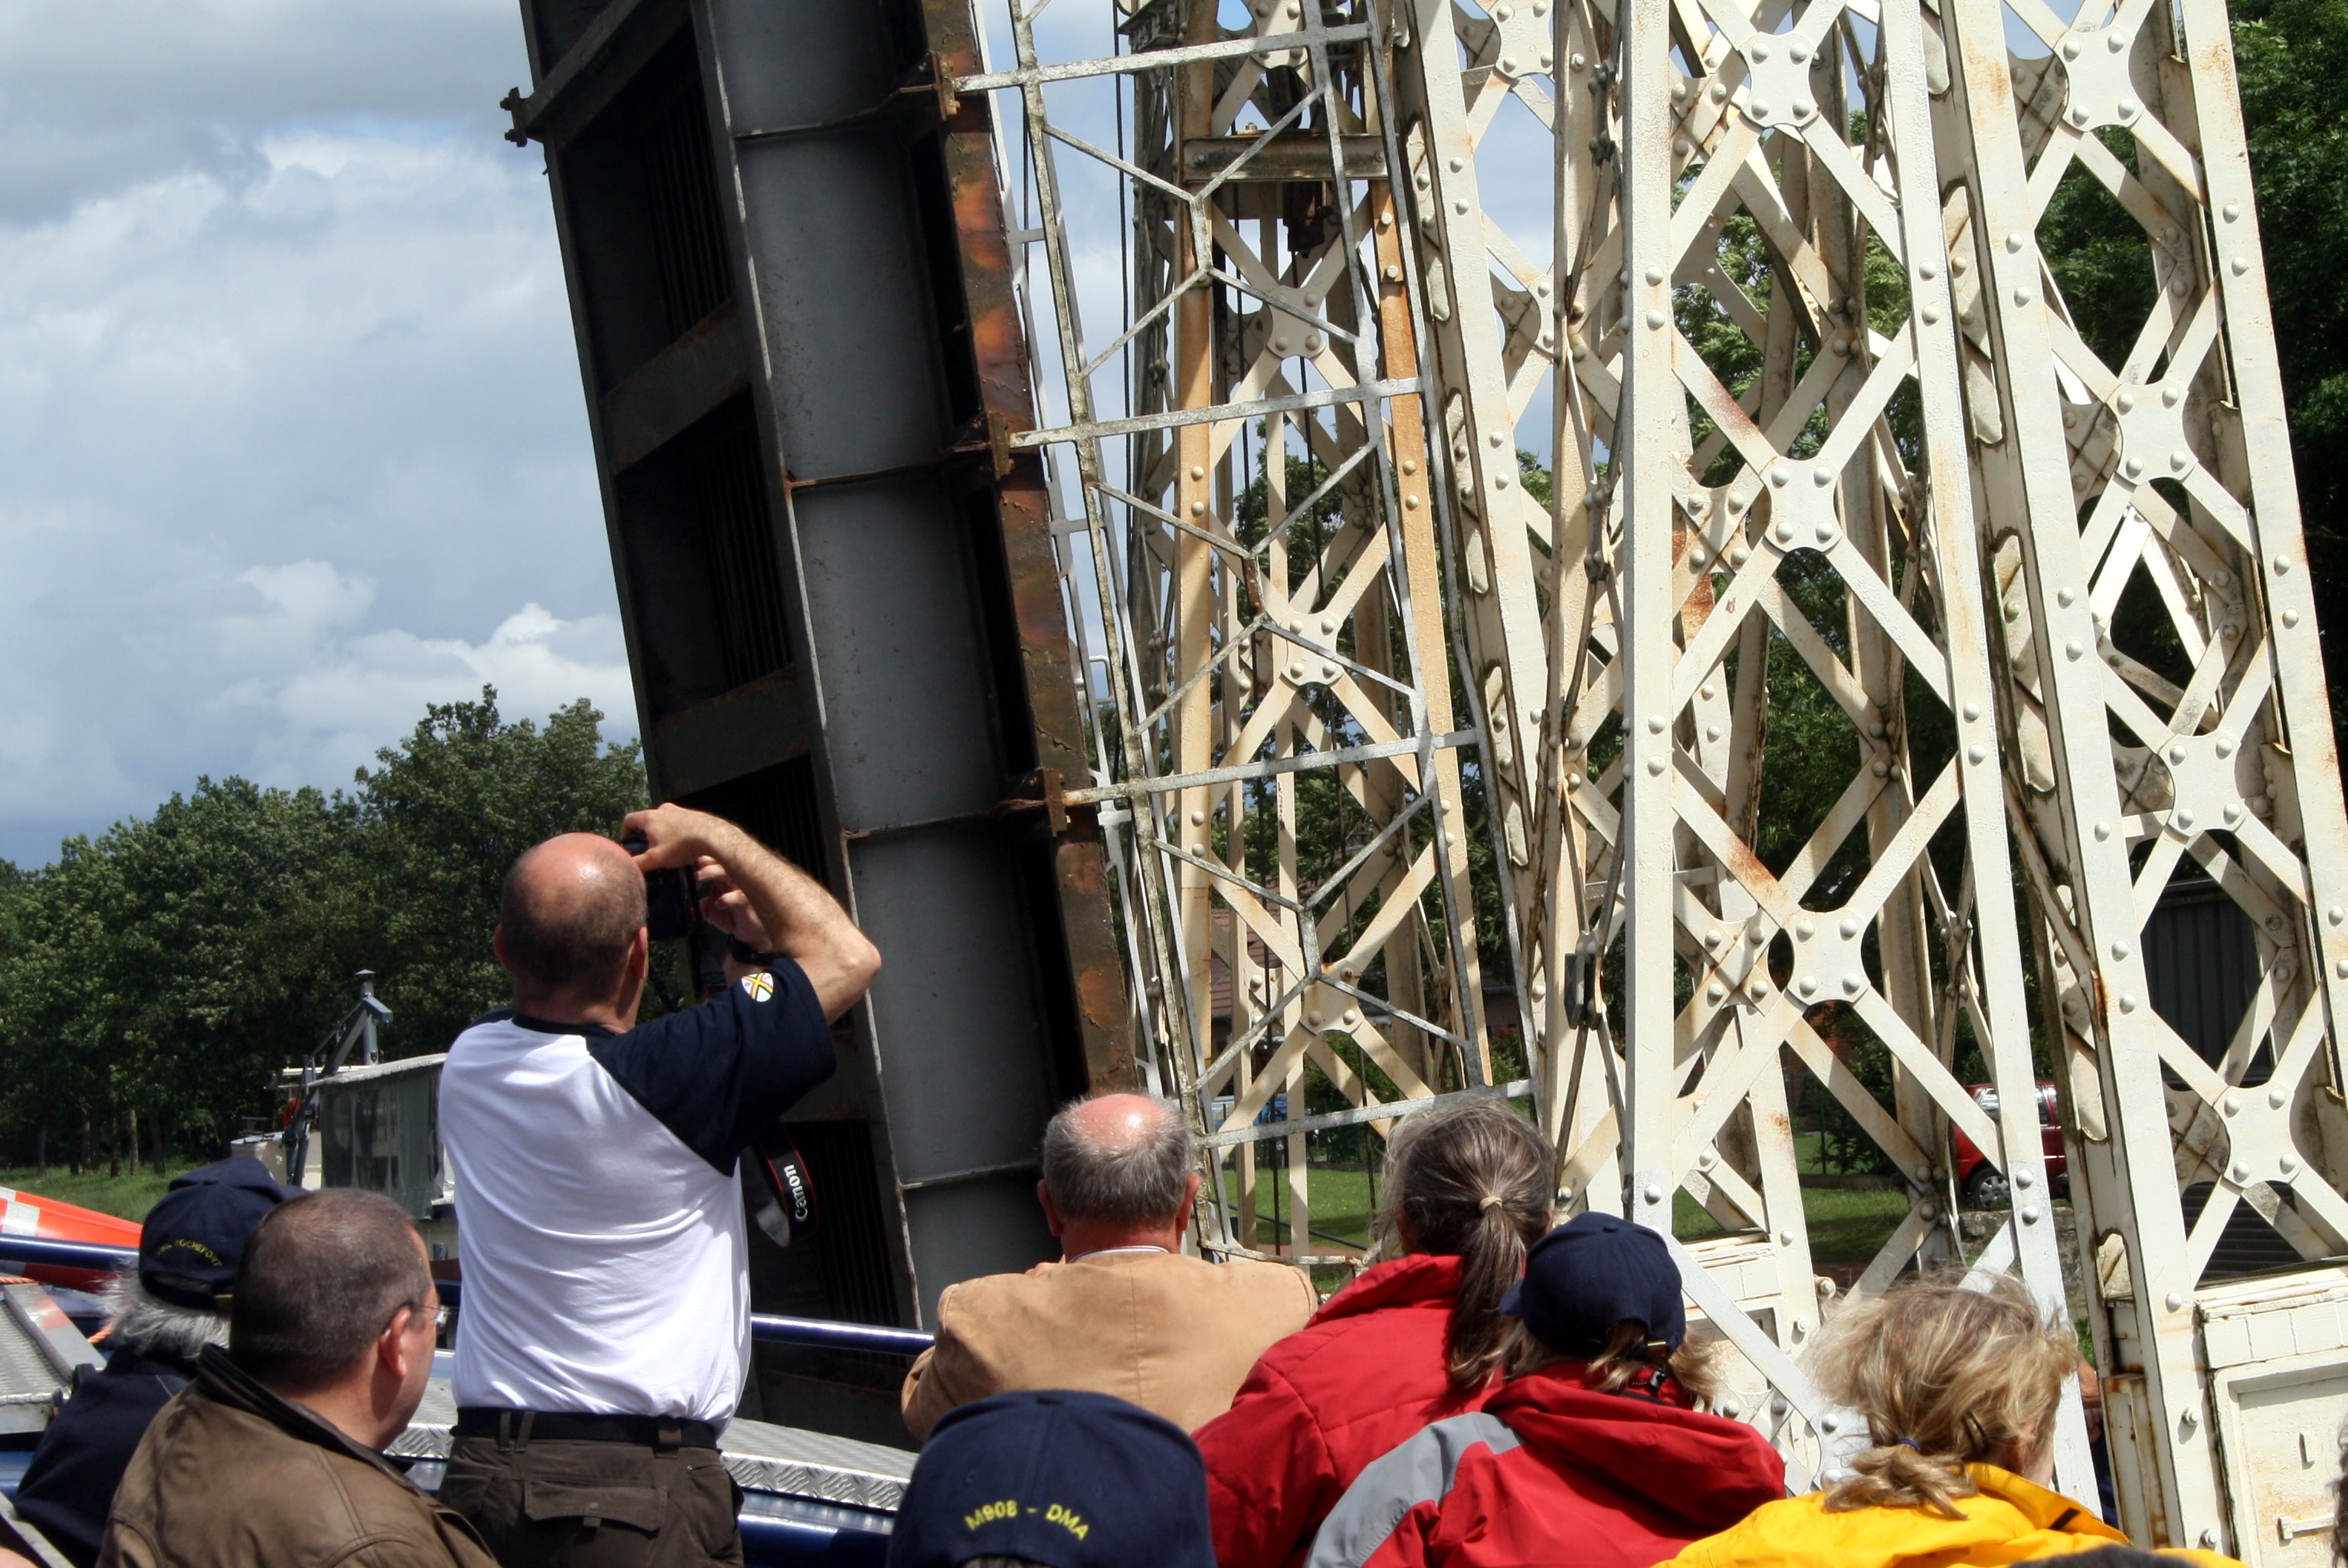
1472,1179
1947,1375
1694,1366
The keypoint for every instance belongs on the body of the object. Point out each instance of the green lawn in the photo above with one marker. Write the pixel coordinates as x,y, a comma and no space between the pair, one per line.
129,1196
1845,1227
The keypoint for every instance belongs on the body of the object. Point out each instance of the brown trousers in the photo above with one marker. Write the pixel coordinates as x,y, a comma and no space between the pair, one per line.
543,1504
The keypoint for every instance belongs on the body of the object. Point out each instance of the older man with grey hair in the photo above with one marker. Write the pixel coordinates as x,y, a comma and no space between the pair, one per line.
1124,1311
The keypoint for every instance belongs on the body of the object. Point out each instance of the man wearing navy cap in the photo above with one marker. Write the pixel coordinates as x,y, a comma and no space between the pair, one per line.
1058,1478
165,1313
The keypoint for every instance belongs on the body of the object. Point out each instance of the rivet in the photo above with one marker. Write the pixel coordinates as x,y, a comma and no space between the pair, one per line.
1758,109
2232,211
2025,1179
2125,401
1853,984
2180,461
2277,1098
2103,831
2119,950
1972,712
2066,597
1809,985
1655,318
1654,1195
1712,993
2336,914
2132,468
1974,754
2013,244
2021,296
2127,1003
2116,42
2170,397
1759,51
1927,270
2231,1105
1797,51
2070,48
1822,477
2287,1164
1930,314
2184,816
1654,765
2341,968
1577,62
2030,1214
2176,1301
2282,566
1804,108
2291,617
1197,472
1803,930
1198,818
2241,1171
2223,745
1826,532
1655,722
1654,276
1849,928
2072,650
1784,531
2176,752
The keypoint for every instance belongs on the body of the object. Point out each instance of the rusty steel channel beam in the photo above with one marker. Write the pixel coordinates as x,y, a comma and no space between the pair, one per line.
804,361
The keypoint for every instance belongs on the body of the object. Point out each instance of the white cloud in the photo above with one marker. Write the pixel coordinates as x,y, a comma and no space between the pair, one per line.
292,438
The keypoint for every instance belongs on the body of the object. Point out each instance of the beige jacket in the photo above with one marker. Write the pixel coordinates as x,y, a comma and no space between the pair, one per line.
1174,1334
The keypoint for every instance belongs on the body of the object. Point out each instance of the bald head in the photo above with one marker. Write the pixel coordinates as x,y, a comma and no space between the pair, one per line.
569,914
1118,1159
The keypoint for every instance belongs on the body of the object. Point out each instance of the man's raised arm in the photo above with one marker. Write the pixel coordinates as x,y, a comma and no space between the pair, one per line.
794,913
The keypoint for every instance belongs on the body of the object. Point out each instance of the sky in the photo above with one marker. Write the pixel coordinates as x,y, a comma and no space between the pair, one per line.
292,435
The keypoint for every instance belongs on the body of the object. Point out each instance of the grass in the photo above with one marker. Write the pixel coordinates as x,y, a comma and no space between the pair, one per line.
129,1196
1845,1227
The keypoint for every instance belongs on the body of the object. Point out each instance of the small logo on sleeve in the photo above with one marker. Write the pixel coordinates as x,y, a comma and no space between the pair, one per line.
758,987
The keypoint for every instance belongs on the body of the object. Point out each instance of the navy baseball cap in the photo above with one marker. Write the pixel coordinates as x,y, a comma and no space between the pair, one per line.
1589,1274
1059,1477
195,1234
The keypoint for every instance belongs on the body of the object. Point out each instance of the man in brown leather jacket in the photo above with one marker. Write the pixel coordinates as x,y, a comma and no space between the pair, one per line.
271,1457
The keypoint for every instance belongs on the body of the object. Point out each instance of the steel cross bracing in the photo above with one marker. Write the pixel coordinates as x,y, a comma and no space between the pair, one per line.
1253,563
1762,285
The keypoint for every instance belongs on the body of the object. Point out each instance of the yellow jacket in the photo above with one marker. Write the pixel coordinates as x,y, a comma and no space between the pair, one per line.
2011,1521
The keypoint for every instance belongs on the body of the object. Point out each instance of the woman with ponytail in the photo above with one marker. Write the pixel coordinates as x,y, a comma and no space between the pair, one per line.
1959,1386
1413,1339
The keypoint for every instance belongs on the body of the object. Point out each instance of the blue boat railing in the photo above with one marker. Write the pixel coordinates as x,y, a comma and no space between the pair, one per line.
818,1333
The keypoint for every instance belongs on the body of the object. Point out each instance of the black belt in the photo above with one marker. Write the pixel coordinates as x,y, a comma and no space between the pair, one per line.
565,1427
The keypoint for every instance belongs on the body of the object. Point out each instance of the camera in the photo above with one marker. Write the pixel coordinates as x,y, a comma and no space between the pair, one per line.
672,896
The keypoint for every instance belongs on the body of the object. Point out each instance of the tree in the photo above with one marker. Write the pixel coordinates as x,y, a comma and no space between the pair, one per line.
441,817
163,971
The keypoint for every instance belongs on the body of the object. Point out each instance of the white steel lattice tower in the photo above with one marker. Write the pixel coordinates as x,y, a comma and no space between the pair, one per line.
1759,286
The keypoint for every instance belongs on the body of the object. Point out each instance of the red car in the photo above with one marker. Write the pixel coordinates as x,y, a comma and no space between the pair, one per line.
1983,1184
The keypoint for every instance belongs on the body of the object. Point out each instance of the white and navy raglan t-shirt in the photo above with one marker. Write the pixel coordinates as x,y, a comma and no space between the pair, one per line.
599,1219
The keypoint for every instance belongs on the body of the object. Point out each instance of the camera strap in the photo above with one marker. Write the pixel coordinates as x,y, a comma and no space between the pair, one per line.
783,1198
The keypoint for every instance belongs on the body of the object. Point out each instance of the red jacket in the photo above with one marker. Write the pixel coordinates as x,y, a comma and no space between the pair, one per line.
1554,1474
1366,1373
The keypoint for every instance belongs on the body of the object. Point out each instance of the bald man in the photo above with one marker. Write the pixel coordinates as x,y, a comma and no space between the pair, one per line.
1124,1311
606,1327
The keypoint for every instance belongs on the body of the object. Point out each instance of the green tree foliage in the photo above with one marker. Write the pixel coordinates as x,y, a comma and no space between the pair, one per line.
167,966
